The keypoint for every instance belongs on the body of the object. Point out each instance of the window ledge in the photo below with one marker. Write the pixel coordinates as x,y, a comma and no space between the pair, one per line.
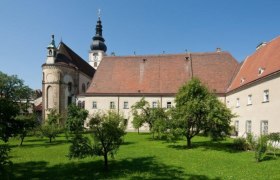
265,102
249,104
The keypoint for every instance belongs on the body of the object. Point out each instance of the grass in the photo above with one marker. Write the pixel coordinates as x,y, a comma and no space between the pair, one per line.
140,157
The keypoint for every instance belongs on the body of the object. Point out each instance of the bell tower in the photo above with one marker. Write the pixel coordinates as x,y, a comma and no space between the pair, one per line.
98,48
51,52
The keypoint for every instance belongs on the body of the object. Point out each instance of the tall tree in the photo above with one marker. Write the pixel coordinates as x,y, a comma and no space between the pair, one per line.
197,110
107,130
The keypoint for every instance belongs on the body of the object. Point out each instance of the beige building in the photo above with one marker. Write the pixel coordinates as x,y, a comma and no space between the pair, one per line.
250,88
254,94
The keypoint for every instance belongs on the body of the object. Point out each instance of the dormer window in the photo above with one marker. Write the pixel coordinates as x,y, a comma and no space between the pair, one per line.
242,80
261,70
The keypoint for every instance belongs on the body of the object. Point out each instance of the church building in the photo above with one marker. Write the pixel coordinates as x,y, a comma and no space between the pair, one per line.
118,82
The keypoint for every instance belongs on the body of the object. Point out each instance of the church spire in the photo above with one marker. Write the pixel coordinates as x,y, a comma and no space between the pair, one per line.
98,40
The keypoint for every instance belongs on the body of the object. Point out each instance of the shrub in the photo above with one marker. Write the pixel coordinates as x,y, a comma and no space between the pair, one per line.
241,144
251,140
261,147
274,141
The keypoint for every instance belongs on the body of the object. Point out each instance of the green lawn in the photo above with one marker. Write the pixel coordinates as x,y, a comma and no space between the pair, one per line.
140,158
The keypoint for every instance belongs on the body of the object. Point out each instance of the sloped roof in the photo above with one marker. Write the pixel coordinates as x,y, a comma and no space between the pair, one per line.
67,56
162,74
266,59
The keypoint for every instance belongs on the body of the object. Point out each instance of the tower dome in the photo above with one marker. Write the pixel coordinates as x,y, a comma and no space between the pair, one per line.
98,40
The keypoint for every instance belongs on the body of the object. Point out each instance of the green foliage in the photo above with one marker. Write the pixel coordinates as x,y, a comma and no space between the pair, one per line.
80,147
141,114
156,118
76,117
160,122
241,144
197,110
261,147
107,130
4,157
51,128
274,142
25,124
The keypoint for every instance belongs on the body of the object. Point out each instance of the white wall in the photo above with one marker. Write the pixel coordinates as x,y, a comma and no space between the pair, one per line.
103,105
259,110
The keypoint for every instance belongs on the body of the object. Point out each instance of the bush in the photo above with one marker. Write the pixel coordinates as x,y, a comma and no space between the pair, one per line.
261,147
241,144
4,161
251,140
274,141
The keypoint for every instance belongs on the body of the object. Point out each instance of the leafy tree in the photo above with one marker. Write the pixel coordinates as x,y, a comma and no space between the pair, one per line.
51,128
218,119
14,97
25,124
197,111
141,114
156,118
108,130
76,117
160,122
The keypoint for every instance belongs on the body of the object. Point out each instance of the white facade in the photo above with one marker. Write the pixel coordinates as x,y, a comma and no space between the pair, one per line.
258,109
123,104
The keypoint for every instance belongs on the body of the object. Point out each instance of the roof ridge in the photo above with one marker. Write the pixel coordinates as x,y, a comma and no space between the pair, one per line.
162,55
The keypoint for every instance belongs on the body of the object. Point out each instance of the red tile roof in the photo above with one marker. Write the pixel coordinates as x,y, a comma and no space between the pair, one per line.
266,58
162,74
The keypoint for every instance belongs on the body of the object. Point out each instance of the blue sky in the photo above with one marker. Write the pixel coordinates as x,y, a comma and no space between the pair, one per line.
146,27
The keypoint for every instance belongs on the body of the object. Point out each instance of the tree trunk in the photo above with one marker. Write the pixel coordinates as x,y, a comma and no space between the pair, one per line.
50,139
21,140
106,162
138,130
189,142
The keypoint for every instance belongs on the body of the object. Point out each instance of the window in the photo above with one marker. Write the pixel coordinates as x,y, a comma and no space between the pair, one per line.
260,71
236,126
237,102
266,96
125,105
248,126
264,127
249,102
112,105
168,104
69,101
94,105
154,104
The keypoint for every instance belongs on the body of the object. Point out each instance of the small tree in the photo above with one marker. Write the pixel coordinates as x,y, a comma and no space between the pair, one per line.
108,130
76,117
197,111
25,124
141,114
51,128
160,122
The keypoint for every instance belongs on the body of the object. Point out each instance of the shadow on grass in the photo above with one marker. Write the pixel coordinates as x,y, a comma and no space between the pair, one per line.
136,168
207,145
42,143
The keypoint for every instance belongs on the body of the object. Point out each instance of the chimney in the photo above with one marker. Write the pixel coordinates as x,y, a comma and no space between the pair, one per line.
218,50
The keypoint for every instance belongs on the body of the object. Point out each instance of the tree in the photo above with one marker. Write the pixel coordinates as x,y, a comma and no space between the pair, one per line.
141,114
25,123
107,130
76,117
197,111
160,122
51,128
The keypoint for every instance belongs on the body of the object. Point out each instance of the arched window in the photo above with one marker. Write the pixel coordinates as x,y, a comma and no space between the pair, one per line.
83,88
49,97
